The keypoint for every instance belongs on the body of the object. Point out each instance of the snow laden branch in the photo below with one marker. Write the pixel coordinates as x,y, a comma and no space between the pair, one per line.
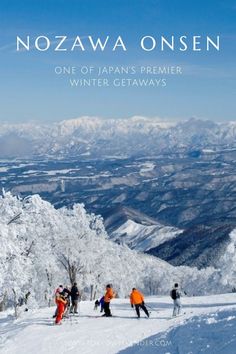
72,267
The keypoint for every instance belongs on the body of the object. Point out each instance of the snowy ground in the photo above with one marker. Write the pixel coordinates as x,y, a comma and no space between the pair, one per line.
208,325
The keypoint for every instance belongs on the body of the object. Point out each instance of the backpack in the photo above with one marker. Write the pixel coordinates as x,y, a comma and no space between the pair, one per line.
173,294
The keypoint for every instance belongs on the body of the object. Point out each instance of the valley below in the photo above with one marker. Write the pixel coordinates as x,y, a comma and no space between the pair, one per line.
165,188
174,200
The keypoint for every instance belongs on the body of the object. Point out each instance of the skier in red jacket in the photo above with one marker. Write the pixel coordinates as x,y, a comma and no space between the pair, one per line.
61,302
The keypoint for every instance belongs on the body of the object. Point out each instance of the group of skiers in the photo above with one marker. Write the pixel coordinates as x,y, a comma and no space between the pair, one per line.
67,301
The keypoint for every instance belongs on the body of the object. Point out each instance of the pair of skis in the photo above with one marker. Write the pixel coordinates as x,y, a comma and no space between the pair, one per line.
73,318
180,315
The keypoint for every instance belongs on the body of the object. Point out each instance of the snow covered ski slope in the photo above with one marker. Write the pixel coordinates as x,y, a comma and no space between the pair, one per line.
208,325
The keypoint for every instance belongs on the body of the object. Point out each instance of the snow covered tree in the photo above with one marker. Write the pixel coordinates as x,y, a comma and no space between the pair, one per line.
42,247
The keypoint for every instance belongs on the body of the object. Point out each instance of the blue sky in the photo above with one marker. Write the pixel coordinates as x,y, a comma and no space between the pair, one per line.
30,90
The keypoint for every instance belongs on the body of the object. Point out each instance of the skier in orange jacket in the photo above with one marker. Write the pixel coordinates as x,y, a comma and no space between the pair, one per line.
109,295
61,302
137,300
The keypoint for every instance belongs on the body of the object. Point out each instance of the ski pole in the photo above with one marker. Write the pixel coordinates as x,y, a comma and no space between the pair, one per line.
79,307
152,308
133,307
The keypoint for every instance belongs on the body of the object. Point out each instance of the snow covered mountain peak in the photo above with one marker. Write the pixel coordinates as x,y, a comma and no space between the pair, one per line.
135,136
137,230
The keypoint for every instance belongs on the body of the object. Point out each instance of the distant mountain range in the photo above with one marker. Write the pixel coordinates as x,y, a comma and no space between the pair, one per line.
96,137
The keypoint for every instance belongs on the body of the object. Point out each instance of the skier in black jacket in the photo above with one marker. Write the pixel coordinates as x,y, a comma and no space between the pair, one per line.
74,293
175,295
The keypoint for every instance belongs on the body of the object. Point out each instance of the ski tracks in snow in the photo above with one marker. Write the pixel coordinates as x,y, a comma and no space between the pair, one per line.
34,332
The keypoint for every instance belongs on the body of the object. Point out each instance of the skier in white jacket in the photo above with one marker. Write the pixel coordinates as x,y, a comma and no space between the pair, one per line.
175,295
